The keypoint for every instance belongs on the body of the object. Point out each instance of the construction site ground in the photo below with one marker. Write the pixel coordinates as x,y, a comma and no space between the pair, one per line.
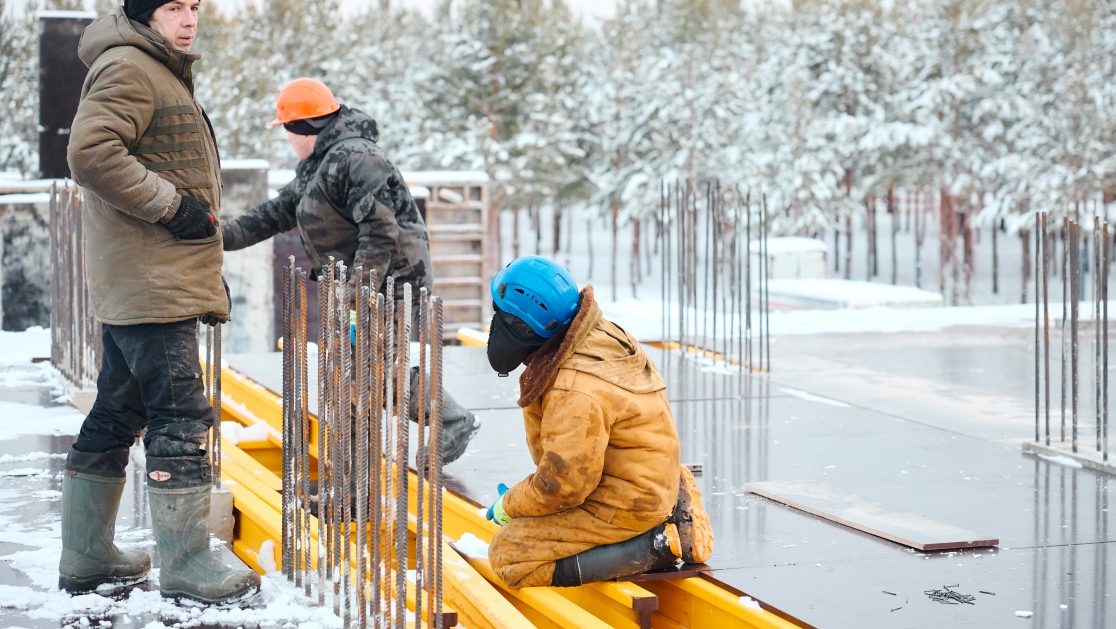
928,422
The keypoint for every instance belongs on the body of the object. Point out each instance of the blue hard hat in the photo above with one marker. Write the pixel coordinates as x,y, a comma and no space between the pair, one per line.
539,291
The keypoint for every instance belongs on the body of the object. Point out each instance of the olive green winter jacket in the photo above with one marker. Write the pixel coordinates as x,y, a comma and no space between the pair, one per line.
138,143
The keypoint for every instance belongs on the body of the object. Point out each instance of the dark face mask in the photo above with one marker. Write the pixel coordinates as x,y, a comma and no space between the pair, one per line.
510,341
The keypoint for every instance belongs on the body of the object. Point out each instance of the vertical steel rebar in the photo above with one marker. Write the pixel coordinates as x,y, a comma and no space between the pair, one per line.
1075,271
345,414
403,381
1038,348
288,386
324,288
1046,318
377,453
1104,338
436,477
1096,328
363,385
1065,313
304,432
420,452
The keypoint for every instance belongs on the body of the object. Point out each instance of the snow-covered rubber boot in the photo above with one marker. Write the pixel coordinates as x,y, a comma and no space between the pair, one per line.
180,516
693,522
90,558
654,549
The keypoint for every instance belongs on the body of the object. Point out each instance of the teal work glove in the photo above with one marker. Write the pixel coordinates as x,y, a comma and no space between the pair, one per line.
496,512
352,327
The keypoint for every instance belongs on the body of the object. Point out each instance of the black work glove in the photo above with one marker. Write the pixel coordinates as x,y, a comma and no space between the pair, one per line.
192,221
212,319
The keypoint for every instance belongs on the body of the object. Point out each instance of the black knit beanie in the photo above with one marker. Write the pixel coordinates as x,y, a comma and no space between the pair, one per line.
141,10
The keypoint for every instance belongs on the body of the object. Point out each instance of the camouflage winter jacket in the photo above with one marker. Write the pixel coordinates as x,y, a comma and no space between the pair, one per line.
348,201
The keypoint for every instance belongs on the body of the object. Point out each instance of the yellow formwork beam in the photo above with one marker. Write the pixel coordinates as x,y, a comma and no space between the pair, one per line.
258,504
692,603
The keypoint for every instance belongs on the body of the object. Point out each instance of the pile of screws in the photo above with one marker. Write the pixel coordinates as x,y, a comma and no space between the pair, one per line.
947,596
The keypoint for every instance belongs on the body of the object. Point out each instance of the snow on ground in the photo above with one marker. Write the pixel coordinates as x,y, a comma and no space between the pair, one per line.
643,318
21,347
838,293
28,419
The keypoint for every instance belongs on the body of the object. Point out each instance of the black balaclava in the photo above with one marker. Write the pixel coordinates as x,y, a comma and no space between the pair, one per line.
310,126
510,341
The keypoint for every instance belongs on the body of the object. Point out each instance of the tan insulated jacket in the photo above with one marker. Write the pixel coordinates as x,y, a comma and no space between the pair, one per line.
599,427
138,142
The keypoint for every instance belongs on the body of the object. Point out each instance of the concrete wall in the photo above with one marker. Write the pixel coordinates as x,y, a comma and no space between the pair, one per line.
248,271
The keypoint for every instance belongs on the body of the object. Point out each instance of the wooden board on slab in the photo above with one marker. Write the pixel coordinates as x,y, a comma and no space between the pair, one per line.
901,527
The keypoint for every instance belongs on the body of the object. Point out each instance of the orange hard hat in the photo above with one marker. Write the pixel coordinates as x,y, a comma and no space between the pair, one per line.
301,99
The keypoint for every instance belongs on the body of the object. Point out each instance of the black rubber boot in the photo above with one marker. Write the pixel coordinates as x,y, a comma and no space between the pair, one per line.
180,516
91,490
657,548
459,424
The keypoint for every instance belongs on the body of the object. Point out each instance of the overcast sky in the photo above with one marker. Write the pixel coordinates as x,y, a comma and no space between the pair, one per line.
591,9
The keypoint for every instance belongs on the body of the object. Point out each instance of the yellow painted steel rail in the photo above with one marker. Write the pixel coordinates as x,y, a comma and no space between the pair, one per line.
471,588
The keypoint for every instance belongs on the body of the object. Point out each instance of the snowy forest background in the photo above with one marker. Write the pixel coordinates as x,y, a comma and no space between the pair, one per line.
995,109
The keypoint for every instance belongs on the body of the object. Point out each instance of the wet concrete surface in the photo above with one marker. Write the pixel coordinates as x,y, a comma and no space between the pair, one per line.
928,423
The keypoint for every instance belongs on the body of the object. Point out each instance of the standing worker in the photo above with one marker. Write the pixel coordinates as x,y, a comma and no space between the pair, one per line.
349,202
143,150
609,497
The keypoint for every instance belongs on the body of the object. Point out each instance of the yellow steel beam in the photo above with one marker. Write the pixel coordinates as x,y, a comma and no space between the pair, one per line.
258,504
694,602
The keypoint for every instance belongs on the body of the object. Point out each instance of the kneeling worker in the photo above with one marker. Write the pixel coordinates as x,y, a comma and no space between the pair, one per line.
609,497
349,202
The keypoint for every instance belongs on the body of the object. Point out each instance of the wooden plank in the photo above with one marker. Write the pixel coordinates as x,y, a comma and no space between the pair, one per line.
901,527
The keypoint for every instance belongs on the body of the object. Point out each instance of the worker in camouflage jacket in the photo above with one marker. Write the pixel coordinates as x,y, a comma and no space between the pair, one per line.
349,202
144,153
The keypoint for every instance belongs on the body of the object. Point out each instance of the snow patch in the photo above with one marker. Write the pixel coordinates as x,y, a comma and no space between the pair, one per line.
21,347
750,603
28,419
266,556
1062,459
31,456
472,546
814,398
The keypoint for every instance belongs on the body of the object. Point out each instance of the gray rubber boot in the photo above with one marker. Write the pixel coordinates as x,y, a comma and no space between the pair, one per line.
90,558
180,517
459,424
654,549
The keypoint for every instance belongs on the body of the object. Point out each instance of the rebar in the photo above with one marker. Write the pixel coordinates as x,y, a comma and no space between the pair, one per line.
1075,283
1046,319
364,410
1096,329
420,452
436,441
1104,337
1065,314
216,396
324,289
361,455
403,382
1038,348
288,428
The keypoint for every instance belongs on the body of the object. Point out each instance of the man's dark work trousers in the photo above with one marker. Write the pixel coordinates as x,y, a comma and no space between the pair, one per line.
150,377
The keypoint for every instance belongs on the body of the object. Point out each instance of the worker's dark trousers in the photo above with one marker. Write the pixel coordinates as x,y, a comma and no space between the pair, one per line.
150,377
